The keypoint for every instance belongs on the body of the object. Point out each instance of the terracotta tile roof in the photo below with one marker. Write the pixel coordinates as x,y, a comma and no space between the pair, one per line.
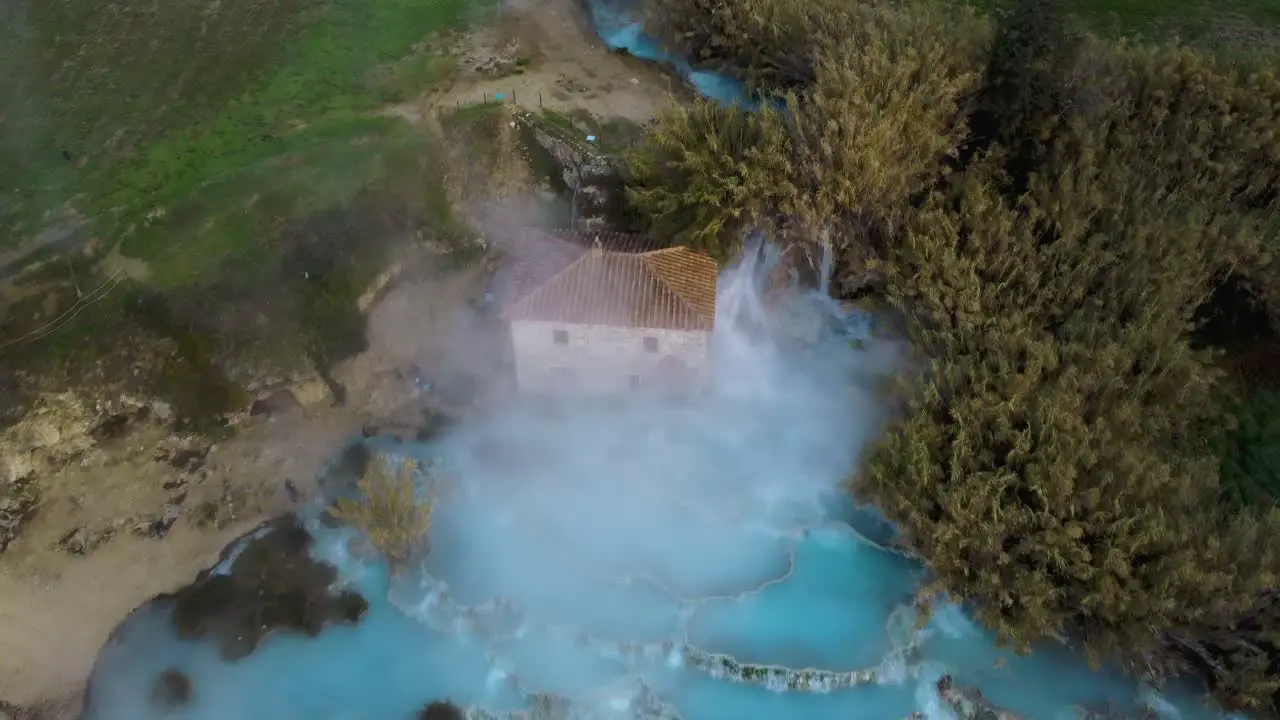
529,261
672,288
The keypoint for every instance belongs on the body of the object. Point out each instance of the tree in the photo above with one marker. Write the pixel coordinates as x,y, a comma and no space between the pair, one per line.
882,107
388,511
1249,452
768,43
706,174
886,111
1052,468
1024,86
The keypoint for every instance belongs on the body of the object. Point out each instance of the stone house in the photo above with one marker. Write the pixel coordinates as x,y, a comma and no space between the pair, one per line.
603,313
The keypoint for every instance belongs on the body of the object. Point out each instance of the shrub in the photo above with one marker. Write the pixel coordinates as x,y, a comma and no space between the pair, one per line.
707,173
877,113
388,511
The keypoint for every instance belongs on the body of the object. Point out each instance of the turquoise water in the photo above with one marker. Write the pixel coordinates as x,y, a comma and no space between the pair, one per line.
694,560
620,27
764,627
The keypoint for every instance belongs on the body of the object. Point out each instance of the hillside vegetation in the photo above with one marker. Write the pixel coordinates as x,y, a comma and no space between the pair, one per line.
1071,228
112,106
212,177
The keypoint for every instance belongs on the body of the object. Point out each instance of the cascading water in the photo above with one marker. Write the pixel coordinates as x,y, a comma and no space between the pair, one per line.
620,25
634,560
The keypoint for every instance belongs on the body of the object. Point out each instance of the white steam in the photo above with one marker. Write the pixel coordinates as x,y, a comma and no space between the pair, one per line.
617,517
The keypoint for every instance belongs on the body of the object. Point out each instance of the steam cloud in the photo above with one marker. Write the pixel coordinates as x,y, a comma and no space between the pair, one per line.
623,517
684,493
634,520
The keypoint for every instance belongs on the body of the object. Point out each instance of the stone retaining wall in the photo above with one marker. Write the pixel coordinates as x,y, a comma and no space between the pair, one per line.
593,178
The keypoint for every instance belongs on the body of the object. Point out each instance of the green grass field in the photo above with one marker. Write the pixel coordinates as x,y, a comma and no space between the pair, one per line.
119,107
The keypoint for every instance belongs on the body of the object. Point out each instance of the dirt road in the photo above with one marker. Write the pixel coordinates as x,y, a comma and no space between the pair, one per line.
566,68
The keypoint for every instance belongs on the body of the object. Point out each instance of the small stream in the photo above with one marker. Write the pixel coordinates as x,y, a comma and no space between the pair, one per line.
619,25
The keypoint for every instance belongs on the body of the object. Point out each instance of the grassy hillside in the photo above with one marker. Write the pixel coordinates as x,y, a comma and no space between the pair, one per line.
117,107
229,156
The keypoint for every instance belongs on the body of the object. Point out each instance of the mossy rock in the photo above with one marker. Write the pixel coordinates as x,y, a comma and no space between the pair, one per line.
274,584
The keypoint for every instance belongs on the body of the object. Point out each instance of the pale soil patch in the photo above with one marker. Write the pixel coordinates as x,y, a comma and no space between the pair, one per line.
132,268
57,608
57,611
568,68
13,292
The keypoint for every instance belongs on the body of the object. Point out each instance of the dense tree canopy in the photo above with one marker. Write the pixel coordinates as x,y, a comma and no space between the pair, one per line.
710,172
1249,451
1050,213
882,108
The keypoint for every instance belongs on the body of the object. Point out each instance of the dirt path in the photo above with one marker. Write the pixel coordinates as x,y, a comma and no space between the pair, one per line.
568,68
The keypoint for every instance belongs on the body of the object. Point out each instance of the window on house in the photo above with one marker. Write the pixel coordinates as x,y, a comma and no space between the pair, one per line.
634,381
651,344
561,337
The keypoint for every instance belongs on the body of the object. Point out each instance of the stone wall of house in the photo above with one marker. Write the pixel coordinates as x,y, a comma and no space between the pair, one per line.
603,359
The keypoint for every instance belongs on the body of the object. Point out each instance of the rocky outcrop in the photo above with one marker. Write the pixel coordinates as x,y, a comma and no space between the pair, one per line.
84,430
69,427
968,703
777,677
58,429
442,710
171,691
18,501
66,428
276,395
269,583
